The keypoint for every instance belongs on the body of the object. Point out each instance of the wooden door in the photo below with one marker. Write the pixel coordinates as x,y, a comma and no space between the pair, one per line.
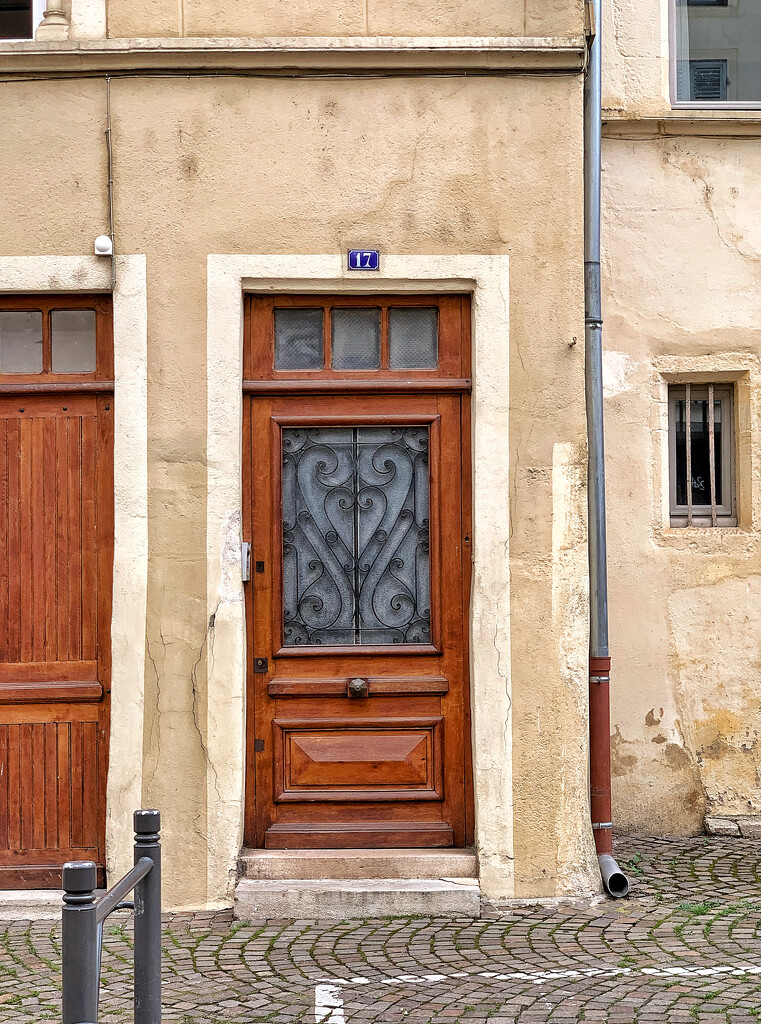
358,515
56,500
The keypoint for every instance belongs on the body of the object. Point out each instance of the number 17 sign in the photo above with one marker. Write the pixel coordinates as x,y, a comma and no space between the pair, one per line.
364,259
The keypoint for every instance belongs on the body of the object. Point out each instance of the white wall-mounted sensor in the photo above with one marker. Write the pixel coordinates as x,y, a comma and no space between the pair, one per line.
103,246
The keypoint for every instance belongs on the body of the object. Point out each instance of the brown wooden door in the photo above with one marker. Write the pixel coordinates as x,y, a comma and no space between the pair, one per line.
358,677
56,498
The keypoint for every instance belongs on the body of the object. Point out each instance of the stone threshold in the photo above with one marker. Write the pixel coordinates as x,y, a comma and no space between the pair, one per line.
269,865
296,54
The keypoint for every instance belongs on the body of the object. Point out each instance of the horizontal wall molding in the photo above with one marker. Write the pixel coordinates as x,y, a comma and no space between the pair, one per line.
722,126
298,55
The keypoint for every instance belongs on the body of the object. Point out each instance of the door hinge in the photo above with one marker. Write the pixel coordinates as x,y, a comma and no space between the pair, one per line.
258,746
261,665
245,561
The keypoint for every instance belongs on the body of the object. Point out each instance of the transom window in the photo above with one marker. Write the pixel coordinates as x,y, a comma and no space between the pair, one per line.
44,338
716,58
352,338
701,455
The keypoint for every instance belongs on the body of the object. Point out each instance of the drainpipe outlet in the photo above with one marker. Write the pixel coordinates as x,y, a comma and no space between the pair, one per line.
615,881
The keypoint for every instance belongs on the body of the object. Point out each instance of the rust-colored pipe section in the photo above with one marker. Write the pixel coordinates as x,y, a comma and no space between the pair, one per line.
599,754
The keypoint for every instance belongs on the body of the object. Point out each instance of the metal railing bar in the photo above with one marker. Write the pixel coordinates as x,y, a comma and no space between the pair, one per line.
712,453
82,928
108,903
688,444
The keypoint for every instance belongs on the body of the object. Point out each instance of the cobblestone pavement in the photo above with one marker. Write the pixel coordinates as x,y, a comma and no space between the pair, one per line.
686,946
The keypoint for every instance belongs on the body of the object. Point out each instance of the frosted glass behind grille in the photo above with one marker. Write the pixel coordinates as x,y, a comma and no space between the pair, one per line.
356,564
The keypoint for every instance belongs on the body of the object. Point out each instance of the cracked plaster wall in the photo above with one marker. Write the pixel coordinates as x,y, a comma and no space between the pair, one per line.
682,294
476,165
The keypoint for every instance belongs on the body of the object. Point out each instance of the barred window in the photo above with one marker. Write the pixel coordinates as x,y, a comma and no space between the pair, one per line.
701,455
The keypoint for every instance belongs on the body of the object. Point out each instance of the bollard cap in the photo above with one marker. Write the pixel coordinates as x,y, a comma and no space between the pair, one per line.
147,822
79,876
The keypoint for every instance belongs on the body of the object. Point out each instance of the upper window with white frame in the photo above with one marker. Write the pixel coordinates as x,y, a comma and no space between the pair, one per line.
20,18
716,53
701,450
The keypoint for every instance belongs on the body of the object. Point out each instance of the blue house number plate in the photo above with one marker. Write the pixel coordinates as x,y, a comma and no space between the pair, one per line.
364,259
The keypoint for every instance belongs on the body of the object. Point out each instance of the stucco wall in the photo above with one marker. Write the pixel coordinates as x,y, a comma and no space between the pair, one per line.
682,295
635,57
238,165
345,18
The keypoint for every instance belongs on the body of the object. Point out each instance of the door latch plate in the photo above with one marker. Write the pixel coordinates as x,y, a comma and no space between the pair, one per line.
261,665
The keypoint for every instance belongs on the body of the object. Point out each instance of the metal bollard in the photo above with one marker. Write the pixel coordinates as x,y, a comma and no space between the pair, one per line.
147,921
79,943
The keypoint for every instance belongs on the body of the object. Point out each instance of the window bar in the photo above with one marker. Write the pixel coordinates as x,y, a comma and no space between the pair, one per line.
688,444
712,454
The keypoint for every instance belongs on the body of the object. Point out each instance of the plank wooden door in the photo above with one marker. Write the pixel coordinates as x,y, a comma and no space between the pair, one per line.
56,488
358,515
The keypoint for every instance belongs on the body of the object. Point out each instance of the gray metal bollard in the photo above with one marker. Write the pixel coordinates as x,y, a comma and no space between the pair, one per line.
147,921
79,941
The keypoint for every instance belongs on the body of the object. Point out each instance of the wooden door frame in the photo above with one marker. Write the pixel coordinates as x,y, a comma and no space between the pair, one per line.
52,389
326,383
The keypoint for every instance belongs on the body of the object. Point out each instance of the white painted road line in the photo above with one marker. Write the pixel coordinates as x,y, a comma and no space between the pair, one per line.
328,1005
335,985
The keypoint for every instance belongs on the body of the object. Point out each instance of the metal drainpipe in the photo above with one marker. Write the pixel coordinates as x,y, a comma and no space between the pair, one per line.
613,878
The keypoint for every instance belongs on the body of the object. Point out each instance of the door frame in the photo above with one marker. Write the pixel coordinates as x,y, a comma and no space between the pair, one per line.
486,278
252,836
51,275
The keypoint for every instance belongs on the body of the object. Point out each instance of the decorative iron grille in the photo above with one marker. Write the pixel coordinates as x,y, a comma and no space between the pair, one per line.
356,559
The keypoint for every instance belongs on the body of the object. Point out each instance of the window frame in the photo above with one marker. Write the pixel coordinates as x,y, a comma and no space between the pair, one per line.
675,102
49,379
726,513
38,10
259,337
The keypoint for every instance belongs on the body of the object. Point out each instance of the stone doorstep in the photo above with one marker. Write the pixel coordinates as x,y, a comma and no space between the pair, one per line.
268,865
346,898
737,825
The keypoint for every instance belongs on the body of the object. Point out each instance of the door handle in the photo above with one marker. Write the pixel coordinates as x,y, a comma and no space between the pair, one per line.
245,562
357,688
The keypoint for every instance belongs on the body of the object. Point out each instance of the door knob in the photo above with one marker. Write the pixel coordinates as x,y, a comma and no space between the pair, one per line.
357,688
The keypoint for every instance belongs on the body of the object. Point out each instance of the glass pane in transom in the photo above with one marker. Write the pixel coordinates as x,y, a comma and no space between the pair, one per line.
298,339
20,341
72,333
356,560
413,338
356,339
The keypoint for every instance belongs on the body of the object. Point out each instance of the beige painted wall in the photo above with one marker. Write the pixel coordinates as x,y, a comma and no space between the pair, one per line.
635,57
345,18
682,295
238,165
